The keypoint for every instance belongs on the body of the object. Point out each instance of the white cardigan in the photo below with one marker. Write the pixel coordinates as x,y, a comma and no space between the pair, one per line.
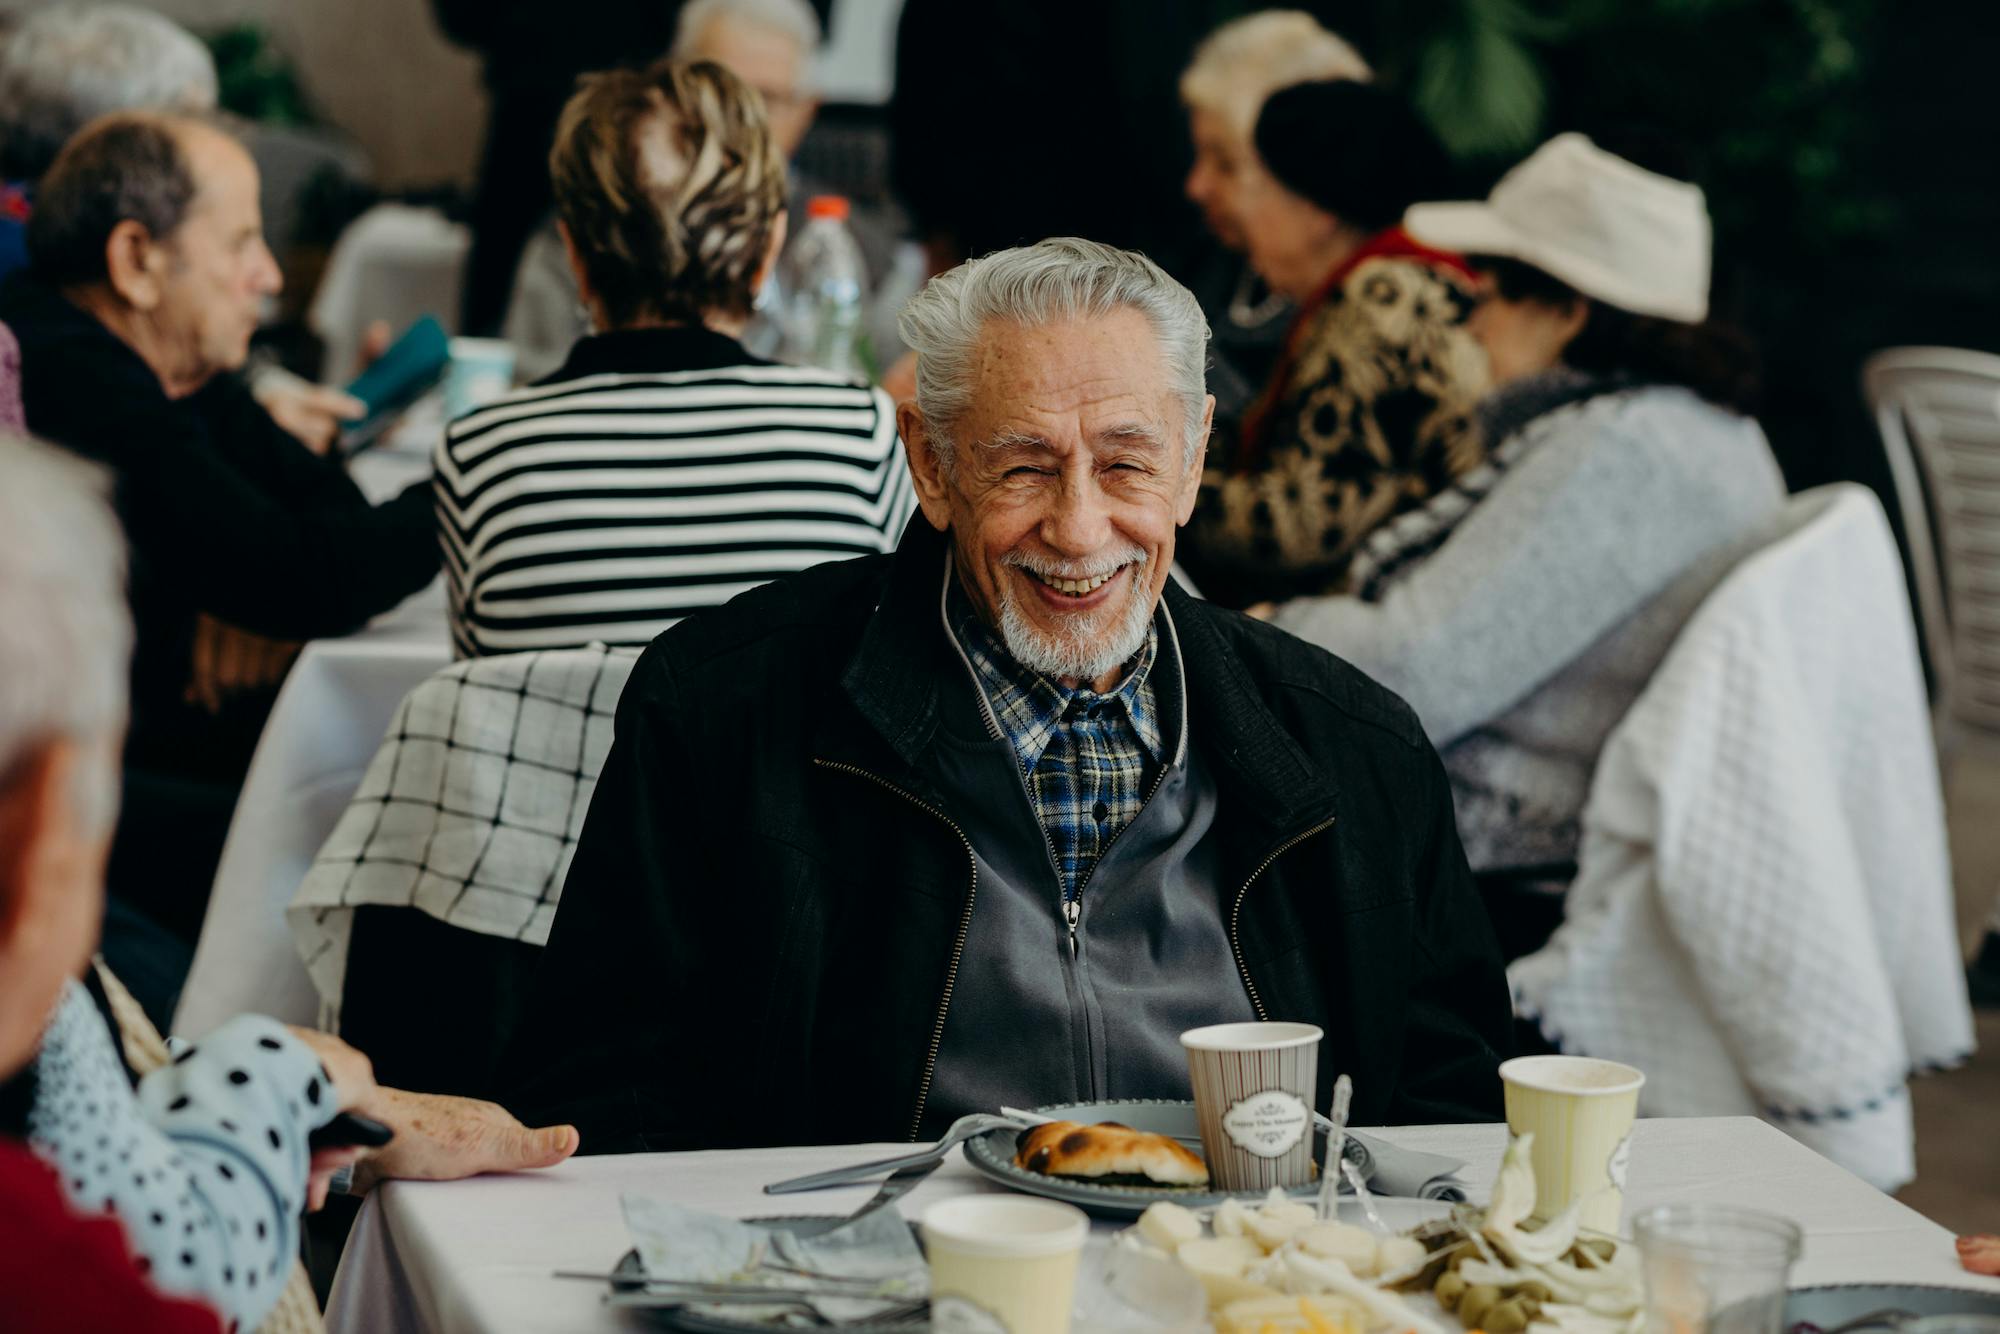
1762,919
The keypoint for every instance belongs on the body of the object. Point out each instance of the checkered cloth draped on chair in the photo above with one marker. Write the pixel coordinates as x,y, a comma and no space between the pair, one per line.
471,807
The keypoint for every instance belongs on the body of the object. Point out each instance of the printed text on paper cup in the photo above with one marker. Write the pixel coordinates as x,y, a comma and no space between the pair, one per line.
1267,1124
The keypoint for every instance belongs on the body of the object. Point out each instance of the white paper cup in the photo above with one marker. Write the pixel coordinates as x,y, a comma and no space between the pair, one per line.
1580,1111
1003,1264
1253,1098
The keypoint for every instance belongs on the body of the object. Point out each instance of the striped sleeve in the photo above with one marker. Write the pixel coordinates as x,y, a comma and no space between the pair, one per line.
604,509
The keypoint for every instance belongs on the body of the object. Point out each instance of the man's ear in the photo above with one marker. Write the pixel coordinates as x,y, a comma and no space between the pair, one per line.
926,468
1573,317
135,265
1191,479
33,818
586,295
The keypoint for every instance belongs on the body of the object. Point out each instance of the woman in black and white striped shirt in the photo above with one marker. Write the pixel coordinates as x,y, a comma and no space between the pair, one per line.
662,469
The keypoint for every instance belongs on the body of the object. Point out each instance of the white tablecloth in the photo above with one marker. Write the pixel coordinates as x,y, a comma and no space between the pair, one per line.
323,730
476,1256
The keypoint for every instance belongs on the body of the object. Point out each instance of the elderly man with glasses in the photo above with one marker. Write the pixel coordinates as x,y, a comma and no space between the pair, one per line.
995,818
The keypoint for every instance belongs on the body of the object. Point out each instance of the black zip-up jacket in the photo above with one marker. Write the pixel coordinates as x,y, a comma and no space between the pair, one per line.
225,512
760,933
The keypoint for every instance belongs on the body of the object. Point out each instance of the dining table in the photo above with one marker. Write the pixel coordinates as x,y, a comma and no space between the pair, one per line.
323,730
480,1256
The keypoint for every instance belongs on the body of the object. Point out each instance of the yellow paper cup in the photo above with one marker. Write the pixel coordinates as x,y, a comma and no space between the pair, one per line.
1580,1111
1003,1264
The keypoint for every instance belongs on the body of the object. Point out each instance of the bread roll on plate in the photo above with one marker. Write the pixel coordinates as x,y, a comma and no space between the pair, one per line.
1109,1150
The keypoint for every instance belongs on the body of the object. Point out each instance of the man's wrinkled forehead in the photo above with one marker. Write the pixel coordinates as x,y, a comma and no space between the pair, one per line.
1069,383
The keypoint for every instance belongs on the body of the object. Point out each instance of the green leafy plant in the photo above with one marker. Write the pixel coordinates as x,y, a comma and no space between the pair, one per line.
255,80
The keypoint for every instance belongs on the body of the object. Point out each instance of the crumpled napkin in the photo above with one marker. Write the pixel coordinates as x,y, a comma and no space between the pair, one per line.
1409,1173
877,1245
680,1243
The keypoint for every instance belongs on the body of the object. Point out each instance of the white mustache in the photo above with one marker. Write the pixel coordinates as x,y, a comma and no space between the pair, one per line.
1049,568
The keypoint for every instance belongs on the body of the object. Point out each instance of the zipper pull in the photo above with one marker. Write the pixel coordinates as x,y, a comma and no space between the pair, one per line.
1072,910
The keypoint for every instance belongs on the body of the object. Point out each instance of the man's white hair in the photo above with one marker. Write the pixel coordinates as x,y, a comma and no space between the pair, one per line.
1246,60
1063,278
794,18
65,636
65,66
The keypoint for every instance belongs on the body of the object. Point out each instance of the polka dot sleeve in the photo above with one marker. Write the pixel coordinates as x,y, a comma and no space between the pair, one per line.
205,1166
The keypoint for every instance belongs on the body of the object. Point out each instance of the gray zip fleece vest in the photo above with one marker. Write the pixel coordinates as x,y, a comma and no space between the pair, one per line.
1034,1021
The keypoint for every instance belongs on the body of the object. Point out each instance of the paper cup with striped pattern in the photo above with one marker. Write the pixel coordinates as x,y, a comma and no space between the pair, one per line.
1253,1098
1580,1111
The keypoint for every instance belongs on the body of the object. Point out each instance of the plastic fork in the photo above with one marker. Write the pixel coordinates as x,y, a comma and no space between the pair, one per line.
963,1129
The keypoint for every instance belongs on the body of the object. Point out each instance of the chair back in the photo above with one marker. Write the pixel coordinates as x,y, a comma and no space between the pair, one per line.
1762,918
1938,411
471,808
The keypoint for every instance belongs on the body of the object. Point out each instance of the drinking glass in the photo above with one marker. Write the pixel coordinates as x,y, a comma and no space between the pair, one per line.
1715,1269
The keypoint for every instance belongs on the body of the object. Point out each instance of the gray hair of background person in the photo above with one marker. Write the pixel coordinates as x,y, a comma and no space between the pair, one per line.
1243,62
794,18
128,167
65,637
1063,278
63,67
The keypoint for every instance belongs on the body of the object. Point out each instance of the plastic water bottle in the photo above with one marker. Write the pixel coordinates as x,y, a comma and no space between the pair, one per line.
826,281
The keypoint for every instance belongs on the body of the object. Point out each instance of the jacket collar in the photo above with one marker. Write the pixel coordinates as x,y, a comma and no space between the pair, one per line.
41,315
1257,761
679,347
897,670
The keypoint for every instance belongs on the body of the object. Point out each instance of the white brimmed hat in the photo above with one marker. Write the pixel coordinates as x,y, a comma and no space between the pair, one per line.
1615,232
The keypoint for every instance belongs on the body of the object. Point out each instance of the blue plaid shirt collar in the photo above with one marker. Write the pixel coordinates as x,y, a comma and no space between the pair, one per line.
1027,706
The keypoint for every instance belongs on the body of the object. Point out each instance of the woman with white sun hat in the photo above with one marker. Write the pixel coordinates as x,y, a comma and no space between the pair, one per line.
1523,610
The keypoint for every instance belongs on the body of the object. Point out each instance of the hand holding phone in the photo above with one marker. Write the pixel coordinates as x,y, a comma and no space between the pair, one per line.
400,376
350,1130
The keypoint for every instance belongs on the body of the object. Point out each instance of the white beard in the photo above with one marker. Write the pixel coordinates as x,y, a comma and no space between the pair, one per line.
1082,645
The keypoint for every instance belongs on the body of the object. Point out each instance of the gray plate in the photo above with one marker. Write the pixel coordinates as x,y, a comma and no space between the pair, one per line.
699,1322
993,1154
1836,1304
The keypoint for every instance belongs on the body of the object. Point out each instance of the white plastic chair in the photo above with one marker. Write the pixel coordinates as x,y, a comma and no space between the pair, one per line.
1938,410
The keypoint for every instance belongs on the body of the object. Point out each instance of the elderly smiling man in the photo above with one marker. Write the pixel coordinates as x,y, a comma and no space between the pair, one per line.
996,818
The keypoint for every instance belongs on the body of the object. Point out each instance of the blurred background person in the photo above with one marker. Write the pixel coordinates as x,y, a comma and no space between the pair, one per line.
1523,610
63,67
770,45
1368,410
63,641
1077,98
1234,69
205,1164
530,60
149,269
699,469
